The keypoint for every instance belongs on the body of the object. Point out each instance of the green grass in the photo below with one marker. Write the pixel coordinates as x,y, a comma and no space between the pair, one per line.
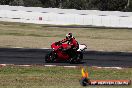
41,36
56,77
21,29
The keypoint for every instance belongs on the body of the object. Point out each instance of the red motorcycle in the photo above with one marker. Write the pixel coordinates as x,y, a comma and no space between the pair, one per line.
59,55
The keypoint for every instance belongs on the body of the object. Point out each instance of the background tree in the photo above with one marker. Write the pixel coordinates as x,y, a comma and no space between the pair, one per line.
129,5
75,4
117,5
105,5
50,3
94,4
32,3
5,2
17,3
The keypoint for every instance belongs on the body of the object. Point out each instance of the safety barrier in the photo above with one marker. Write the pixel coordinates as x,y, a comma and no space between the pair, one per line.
57,16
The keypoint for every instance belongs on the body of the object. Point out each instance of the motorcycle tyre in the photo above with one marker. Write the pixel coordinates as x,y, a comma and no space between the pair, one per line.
49,58
77,59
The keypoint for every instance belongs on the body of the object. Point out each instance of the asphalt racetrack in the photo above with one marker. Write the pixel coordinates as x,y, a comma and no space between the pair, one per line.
23,56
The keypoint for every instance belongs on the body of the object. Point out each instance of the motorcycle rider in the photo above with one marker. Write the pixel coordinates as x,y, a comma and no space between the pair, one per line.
73,45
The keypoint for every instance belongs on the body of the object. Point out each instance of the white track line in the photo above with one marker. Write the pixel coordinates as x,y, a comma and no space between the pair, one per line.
24,65
2,65
50,65
29,48
70,66
108,67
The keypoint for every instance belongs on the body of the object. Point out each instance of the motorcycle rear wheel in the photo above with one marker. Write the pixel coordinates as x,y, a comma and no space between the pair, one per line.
77,59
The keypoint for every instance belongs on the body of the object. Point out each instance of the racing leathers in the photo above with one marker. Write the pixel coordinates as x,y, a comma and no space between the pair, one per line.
73,46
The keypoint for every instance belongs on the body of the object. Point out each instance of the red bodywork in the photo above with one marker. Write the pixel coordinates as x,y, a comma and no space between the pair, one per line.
60,52
61,56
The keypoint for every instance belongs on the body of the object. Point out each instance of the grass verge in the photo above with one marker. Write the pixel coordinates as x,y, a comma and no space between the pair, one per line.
56,77
40,36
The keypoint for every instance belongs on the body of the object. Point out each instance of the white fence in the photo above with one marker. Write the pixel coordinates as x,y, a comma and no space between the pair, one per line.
65,16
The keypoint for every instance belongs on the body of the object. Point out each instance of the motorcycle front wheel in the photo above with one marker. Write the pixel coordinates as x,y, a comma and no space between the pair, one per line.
51,57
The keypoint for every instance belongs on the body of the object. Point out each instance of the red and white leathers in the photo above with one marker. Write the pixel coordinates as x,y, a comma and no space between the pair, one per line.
73,44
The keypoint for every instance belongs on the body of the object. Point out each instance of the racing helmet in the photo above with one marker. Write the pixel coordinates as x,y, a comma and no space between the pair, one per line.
69,36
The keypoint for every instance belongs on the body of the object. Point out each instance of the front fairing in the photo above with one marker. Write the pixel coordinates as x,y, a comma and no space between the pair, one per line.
82,47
